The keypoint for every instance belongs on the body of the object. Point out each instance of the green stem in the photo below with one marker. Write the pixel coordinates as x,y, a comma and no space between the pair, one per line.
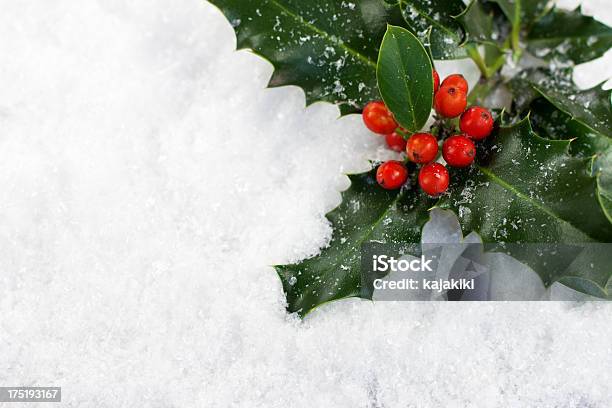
478,60
486,71
402,133
516,32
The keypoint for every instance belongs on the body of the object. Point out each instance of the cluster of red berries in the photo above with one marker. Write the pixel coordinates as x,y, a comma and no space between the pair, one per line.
450,101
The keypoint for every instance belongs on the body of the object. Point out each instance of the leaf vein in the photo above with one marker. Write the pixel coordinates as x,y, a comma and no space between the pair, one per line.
428,18
503,183
323,33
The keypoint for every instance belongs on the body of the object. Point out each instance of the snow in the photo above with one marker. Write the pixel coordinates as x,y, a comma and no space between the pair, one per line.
147,182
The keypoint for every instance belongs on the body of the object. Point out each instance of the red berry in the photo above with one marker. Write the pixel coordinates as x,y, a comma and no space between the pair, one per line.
450,101
436,79
476,122
434,179
396,142
422,148
378,118
459,151
456,80
391,175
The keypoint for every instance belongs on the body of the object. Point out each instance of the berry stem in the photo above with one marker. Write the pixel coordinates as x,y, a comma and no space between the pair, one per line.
402,133
444,127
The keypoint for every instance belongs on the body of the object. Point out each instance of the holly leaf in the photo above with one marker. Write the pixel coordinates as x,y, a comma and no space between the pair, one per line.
328,48
405,78
533,10
569,36
591,107
446,35
524,189
367,213
483,27
523,12
552,123
477,23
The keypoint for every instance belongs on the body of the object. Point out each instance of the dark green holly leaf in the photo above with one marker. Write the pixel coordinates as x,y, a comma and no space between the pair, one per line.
569,36
528,189
552,123
477,23
523,93
533,10
446,35
405,78
482,28
523,12
512,10
367,213
328,48
592,107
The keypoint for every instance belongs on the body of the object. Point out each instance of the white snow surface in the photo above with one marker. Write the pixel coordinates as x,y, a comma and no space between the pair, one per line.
148,180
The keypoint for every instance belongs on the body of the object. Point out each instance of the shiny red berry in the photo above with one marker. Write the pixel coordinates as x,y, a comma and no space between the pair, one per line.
396,142
459,151
391,175
378,118
476,122
422,148
456,80
450,101
434,179
436,79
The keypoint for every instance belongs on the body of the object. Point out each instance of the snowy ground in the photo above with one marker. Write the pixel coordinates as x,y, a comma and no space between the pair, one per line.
147,179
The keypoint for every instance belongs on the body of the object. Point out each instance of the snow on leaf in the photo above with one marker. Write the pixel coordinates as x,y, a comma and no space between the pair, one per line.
548,194
569,36
381,216
328,48
446,34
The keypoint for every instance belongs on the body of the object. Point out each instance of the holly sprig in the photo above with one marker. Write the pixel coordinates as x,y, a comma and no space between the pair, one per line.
543,175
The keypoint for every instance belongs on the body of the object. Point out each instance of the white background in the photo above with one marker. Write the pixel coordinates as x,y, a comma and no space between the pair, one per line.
147,180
